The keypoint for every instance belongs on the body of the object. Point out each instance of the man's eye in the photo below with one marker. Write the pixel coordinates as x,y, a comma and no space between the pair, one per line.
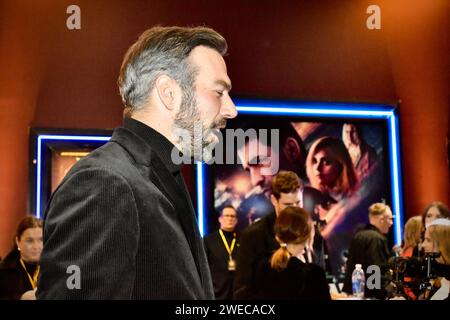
220,93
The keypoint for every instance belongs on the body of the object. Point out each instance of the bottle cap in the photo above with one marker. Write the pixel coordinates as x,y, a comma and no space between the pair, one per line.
358,266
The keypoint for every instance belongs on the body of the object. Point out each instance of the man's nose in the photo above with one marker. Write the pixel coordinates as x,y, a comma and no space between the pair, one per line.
229,110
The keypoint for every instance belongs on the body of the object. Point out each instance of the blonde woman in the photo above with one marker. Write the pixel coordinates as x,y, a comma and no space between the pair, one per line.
412,237
437,239
330,170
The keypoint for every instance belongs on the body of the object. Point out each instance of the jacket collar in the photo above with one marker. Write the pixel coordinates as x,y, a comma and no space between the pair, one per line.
139,139
372,227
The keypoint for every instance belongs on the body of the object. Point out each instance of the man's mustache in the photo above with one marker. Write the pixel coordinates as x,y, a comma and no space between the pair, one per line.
219,124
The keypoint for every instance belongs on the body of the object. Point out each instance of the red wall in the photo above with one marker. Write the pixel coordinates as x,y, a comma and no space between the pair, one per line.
311,50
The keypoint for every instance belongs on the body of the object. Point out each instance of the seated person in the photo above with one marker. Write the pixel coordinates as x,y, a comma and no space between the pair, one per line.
411,248
287,275
437,239
20,269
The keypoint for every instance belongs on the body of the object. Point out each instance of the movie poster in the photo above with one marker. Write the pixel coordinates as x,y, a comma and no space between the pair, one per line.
343,166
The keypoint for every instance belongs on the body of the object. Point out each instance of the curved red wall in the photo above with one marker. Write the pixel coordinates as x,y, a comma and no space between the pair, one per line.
310,50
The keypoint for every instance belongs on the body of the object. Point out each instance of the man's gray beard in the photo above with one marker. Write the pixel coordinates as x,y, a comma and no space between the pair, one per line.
188,119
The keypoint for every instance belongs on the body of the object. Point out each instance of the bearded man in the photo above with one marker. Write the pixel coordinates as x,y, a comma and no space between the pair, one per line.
121,224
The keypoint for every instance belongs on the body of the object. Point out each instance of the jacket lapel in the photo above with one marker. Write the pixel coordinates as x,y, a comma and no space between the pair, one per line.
179,197
166,183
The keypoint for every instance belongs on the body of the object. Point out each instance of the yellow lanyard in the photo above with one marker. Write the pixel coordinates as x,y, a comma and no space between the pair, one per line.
229,250
33,281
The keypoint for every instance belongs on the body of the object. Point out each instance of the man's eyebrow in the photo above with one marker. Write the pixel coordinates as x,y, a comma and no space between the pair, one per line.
224,84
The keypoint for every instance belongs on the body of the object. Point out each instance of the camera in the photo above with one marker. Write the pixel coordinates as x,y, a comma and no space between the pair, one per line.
415,273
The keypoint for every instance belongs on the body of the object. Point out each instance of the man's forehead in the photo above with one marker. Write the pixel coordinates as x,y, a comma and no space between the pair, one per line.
291,195
210,65
229,211
387,214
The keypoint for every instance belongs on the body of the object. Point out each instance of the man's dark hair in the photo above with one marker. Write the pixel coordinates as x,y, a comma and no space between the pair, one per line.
162,50
228,206
285,182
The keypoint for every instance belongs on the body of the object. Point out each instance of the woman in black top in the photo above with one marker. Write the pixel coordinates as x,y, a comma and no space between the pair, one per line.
286,275
20,268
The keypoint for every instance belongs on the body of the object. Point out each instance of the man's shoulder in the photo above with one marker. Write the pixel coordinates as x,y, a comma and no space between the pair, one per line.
113,156
211,236
370,235
262,226
255,227
10,261
108,157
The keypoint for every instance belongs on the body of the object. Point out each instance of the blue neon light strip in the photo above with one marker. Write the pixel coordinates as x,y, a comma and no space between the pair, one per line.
315,112
200,197
40,139
329,110
396,179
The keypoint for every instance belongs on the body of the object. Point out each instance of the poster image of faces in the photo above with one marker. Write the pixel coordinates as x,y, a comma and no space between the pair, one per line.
343,166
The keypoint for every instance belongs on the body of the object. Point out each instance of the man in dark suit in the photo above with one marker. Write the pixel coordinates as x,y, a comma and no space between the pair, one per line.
121,224
258,242
369,247
221,250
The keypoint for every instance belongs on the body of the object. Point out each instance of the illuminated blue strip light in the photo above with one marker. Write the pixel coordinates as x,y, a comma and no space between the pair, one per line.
330,110
40,140
200,197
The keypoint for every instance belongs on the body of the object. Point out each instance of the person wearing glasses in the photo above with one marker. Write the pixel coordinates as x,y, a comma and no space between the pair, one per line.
221,248
369,247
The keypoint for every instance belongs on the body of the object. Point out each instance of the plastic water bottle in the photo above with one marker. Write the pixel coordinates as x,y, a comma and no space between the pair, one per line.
358,281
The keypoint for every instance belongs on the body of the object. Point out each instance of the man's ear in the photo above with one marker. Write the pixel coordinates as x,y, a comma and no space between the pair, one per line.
291,149
166,88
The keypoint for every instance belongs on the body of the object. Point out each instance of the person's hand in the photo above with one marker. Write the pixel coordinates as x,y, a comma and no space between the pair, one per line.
29,295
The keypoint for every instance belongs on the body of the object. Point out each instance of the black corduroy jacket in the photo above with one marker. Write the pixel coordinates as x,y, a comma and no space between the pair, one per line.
122,219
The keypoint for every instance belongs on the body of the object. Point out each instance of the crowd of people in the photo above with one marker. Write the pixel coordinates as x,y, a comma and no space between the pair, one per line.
276,260
274,257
